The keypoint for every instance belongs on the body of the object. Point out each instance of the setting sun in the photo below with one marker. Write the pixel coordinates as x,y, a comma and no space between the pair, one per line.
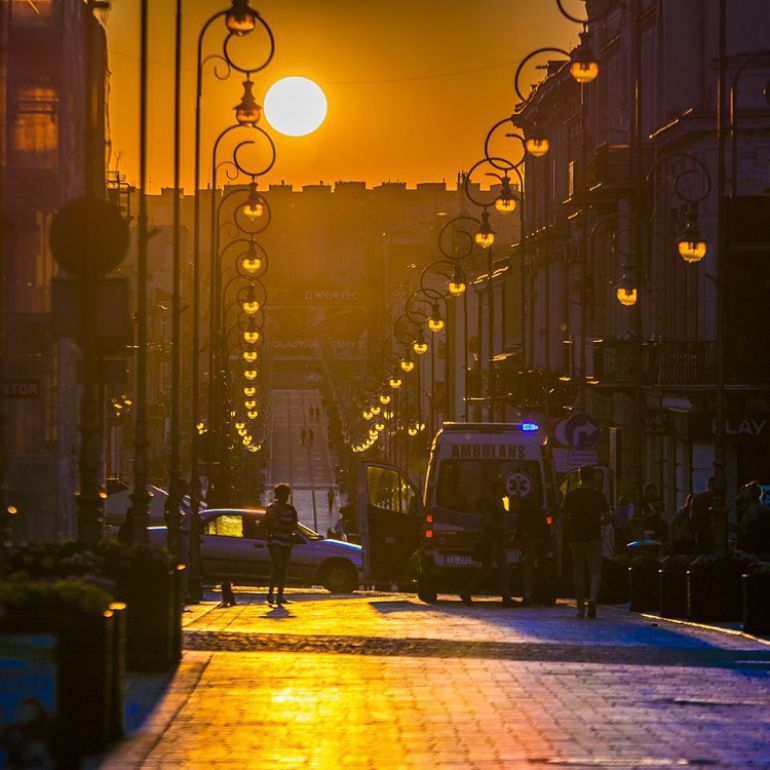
295,106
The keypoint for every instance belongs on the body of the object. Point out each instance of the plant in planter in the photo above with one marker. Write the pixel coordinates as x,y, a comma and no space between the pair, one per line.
756,598
714,586
643,583
614,586
672,585
77,614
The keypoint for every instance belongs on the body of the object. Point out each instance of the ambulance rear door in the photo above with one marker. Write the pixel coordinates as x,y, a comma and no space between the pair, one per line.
390,521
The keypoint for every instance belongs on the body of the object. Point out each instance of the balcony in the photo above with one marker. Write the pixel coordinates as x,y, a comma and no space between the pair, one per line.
677,365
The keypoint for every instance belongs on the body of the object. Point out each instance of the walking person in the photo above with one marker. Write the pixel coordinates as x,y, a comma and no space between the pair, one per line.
330,500
585,509
492,546
280,524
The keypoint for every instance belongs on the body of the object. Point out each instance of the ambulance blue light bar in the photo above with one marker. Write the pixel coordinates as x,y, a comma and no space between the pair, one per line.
529,427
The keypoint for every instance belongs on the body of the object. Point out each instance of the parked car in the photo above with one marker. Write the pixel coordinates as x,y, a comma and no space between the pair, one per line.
232,549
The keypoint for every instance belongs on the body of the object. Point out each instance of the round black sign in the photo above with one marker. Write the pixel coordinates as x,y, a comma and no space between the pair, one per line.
89,237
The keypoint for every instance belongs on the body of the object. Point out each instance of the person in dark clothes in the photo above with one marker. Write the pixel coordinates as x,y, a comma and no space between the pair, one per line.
280,524
492,546
534,536
585,509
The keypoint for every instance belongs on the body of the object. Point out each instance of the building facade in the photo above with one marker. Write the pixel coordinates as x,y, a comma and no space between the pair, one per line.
52,150
598,193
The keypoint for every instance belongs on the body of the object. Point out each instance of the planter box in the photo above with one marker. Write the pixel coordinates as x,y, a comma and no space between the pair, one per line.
714,594
614,586
756,603
85,696
672,584
643,586
153,617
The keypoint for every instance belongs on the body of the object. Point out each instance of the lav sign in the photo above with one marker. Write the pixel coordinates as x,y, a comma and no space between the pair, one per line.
20,388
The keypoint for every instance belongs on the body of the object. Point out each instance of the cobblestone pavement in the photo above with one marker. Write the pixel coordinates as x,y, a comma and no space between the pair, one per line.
382,682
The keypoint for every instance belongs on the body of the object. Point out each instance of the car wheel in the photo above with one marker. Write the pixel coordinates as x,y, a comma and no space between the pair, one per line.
339,577
426,594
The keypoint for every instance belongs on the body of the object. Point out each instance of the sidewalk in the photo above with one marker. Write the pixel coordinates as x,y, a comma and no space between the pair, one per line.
384,681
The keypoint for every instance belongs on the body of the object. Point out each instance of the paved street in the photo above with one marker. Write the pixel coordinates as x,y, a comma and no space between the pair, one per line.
384,681
307,465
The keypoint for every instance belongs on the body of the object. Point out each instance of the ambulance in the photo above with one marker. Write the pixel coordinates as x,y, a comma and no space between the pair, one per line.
429,540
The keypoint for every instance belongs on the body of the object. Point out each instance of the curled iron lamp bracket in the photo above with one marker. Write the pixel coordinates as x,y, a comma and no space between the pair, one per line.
465,241
526,60
679,178
250,70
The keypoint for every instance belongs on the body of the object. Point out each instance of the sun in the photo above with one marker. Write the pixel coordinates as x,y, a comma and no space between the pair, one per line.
295,106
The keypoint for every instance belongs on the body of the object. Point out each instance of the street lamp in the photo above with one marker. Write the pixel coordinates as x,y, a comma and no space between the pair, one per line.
626,291
240,20
690,244
485,235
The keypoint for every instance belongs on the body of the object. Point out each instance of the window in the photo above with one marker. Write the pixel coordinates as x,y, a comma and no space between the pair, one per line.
467,485
226,526
35,131
389,490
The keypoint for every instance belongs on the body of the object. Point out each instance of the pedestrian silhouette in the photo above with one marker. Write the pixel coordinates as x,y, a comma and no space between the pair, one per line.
302,434
330,498
280,522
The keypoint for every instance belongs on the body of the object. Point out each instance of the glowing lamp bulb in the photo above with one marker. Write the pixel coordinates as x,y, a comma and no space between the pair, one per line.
584,72
240,425
250,374
419,347
537,147
406,365
384,399
395,382
505,205
692,251
367,414
251,337
251,265
253,414
250,404
626,296
249,391
250,356
250,307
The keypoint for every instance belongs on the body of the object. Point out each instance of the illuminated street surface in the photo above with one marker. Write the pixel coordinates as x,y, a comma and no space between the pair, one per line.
384,681
307,469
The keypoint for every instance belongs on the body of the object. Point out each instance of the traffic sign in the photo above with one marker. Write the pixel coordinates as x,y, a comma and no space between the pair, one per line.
89,237
581,431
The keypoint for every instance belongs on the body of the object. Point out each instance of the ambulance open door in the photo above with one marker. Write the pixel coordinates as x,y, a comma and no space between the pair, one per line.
390,522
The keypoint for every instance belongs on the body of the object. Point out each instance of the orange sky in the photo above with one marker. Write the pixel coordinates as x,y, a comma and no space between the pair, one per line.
412,85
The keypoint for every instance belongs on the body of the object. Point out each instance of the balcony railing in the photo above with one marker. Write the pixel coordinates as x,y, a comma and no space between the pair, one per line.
669,364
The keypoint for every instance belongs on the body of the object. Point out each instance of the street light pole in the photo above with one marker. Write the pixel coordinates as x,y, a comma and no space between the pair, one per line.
140,499
719,502
174,500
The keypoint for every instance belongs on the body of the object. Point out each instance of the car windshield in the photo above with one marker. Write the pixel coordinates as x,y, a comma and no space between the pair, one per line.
250,528
465,485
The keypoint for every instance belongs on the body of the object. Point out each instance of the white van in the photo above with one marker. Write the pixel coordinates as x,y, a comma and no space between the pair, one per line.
433,543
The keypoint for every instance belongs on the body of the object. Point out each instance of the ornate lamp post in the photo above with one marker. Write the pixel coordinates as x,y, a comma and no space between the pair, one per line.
239,20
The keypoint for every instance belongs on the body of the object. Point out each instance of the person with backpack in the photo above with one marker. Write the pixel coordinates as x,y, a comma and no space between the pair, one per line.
280,524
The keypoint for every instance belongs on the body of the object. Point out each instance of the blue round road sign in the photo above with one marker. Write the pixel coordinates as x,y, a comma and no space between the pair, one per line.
582,431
